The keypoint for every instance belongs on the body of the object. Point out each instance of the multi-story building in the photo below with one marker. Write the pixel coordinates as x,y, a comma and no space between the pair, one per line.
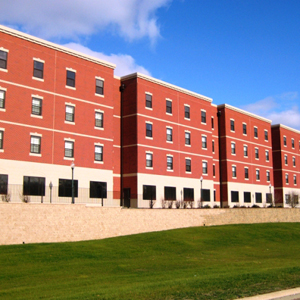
246,170
286,162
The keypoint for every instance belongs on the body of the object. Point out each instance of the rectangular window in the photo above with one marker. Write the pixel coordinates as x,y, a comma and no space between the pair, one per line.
148,100
148,129
3,184
188,194
169,163
70,113
149,160
245,129
2,99
65,188
33,186
3,59
36,106
35,144
285,159
284,140
295,179
99,119
212,123
257,175
170,193
287,178
245,150
69,149
99,86
293,143
234,171
255,132
269,198
234,196
204,142
268,176
205,195
98,189
213,146
204,167
187,138
256,153
294,161
188,165
149,192
214,170
70,78
232,148
98,153
266,135
1,139
186,112
203,116
232,125
258,198
267,155
246,173
169,135
168,106
38,69
247,197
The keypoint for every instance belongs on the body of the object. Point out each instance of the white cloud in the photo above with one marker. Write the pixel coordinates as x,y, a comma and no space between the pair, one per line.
125,64
131,19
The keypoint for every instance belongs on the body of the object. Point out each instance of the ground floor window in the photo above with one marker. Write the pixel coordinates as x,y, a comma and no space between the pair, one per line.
258,198
33,186
268,197
188,194
234,196
98,189
170,193
149,192
206,195
247,197
65,188
3,184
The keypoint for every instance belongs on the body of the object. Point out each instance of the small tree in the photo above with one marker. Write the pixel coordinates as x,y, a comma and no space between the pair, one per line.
292,199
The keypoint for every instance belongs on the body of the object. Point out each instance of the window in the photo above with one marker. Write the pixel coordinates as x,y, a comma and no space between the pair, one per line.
36,107
98,153
212,123
293,143
169,163
170,193
255,132
205,195
65,188
287,178
204,142
232,125
285,159
3,59
1,139
266,135
169,106
234,196
204,167
258,198
203,116
213,146
38,69
267,155
247,197
295,179
70,112
34,186
3,184
257,175
169,135
149,160
234,171
246,173
256,153
148,130
232,148
188,194
99,119
269,198
214,170
294,161
98,189
99,86
268,175
149,100
149,192
70,78
35,144
187,138
284,140
2,99
69,149
186,112
244,128
188,165
245,150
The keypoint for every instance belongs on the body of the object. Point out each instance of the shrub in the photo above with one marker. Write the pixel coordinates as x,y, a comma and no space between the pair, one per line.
6,197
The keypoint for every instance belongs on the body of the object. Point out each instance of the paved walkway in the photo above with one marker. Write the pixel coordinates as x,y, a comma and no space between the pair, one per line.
293,294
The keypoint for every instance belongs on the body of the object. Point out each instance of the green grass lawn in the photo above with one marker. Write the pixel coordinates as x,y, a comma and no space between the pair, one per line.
221,262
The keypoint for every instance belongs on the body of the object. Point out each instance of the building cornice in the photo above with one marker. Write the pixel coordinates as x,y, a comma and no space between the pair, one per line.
53,46
285,127
244,112
167,85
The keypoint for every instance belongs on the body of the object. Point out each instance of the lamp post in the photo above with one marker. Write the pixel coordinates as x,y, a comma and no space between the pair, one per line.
50,186
201,179
72,167
270,192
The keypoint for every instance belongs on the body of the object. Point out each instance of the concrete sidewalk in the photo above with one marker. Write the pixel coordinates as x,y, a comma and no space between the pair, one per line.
292,294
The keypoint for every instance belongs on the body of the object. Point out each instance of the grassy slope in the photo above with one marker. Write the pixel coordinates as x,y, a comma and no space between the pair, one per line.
222,262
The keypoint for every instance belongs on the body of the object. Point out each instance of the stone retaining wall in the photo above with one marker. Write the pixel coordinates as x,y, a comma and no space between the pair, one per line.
41,223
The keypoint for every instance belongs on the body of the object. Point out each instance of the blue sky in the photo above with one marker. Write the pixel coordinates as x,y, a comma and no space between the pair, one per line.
245,53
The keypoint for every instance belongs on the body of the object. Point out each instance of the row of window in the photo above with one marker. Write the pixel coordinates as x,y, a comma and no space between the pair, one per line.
286,160
247,197
256,151
246,173
38,73
292,142
232,128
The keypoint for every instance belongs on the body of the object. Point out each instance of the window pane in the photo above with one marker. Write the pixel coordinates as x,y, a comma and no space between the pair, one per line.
3,59
70,78
149,192
170,193
38,69
98,189
2,99
65,188
33,186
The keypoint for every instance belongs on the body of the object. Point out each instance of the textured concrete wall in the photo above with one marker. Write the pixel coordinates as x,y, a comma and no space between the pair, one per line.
41,223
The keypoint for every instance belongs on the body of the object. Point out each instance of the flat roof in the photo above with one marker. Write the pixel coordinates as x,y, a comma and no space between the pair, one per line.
53,46
167,85
286,127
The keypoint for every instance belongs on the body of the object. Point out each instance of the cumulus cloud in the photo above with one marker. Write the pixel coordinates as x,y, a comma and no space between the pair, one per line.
281,109
132,19
125,63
